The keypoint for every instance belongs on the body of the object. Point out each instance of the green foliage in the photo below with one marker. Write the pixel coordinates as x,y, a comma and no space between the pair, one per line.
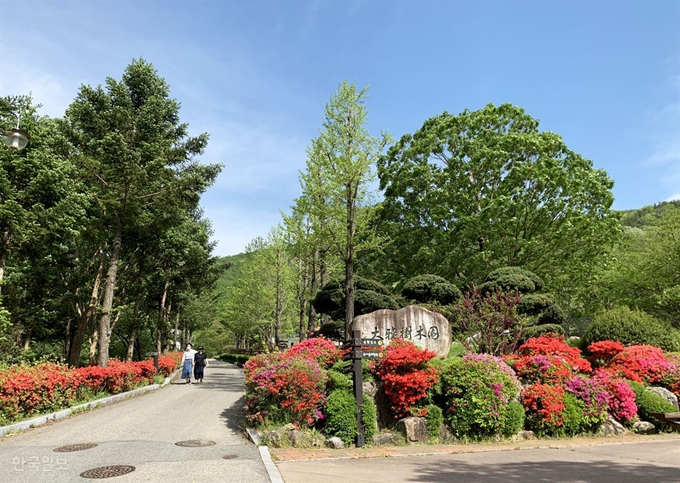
539,330
643,271
487,188
338,380
631,327
506,275
478,389
457,350
341,416
238,359
369,296
574,420
431,289
649,402
513,419
434,418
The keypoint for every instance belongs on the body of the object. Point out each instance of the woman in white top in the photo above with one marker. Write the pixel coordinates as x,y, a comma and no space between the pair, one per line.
188,363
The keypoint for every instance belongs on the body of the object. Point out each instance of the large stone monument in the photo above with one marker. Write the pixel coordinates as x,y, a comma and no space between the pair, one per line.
426,329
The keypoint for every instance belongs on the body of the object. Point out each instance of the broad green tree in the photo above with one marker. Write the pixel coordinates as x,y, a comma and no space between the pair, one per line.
132,145
469,193
341,162
644,272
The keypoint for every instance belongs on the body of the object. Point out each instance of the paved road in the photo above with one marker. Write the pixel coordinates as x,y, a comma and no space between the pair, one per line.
142,432
650,462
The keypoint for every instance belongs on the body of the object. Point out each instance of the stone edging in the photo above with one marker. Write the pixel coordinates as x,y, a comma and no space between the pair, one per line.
64,413
269,465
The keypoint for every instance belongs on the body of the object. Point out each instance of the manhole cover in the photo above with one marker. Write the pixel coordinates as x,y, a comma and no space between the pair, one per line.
74,447
230,457
107,471
195,443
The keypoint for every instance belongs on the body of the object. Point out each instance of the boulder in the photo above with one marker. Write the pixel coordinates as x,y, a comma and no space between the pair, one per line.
644,427
666,394
611,427
297,438
414,429
335,443
370,388
526,434
445,435
426,329
387,439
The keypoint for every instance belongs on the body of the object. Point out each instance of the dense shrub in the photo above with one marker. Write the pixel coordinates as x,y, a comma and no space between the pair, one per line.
338,380
574,420
478,389
489,322
671,379
640,363
434,418
283,389
406,375
594,395
341,416
513,419
544,406
506,273
631,327
238,359
547,359
649,402
622,405
29,390
322,350
430,289
369,296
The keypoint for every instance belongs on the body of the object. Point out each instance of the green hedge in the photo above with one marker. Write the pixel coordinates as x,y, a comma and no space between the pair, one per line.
632,327
238,359
341,416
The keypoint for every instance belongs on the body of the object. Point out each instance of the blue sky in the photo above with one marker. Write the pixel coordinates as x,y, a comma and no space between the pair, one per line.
256,75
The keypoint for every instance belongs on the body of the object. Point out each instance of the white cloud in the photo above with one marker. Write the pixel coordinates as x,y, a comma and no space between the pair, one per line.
675,197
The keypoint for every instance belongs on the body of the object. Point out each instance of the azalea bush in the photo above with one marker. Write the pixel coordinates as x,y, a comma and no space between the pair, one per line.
544,405
622,405
547,359
322,350
478,389
640,363
594,395
284,389
406,376
30,390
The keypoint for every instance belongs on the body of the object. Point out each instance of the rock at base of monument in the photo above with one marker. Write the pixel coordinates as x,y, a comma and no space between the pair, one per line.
611,427
644,427
666,394
414,429
387,439
369,388
446,435
525,435
335,443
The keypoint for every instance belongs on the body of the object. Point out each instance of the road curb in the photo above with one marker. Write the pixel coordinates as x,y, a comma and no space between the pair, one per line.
64,413
272,470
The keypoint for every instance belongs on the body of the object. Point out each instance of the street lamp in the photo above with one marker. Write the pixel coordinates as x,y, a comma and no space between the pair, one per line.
15,139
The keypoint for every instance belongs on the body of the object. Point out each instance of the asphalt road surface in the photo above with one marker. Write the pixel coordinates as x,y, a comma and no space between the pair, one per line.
141,432
649,462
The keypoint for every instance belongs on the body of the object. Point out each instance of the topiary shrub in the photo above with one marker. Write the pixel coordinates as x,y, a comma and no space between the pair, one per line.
338,380
513,419
478,389
434,418
341,416
369,296
431,289
509,272
649,402
631,327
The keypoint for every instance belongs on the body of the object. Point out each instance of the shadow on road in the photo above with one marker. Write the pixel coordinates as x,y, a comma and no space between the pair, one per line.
548,472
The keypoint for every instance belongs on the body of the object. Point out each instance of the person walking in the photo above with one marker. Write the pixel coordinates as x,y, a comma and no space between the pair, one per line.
188,363
200,362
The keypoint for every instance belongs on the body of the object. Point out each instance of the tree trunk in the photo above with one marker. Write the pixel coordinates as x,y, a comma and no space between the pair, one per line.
4,244
107,304
349,266
279,303
26,340
174,339
323,275
131,344
161,318
94,341
314,285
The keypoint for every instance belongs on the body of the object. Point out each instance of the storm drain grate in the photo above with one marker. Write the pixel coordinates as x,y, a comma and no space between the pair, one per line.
230,456
195,443
74,447
107,471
